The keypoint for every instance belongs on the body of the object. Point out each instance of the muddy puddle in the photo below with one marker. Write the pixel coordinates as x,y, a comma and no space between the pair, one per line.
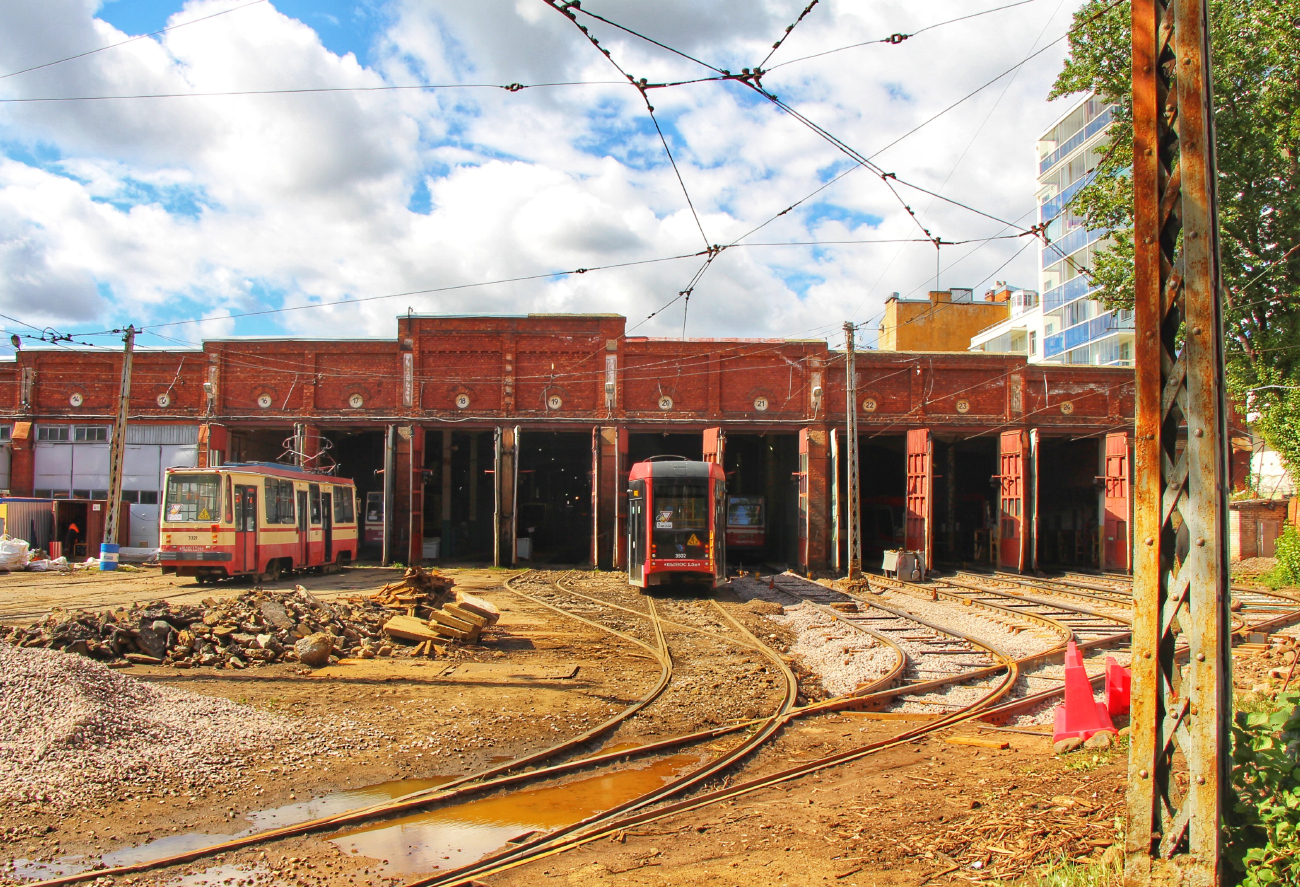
453,836
259,821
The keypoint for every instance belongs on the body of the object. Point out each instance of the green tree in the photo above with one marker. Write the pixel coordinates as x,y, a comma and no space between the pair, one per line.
1256,81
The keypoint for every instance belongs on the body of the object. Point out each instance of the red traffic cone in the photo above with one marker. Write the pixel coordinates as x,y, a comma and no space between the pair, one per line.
771,582
1119,684
1081,715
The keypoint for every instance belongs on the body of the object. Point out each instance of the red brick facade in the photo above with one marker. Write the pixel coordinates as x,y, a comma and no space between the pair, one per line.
558,372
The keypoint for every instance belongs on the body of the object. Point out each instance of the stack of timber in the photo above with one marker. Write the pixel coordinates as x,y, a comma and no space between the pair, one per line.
435,613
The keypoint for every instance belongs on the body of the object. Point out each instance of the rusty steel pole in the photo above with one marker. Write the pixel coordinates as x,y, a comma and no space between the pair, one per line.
851,420
1179,760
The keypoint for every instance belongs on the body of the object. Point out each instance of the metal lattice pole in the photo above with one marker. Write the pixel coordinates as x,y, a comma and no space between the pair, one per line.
1178,766
855,497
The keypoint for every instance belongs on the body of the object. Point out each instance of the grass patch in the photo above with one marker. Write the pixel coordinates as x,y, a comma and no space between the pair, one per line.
1253,703
1105,872
1086,760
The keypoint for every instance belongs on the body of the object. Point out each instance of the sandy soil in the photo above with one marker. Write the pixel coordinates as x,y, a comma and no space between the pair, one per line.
926,809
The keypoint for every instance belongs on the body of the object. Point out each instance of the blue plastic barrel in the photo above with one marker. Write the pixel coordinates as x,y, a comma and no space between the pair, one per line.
108,555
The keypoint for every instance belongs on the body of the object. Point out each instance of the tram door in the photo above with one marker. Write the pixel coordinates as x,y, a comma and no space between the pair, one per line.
327,524
304,532
245,529
636,552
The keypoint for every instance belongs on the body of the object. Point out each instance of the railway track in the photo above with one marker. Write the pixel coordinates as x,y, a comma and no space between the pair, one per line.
639,626
931,658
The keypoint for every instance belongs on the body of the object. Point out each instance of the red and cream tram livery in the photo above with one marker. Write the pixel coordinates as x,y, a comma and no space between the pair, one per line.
746,524
255,519
676,522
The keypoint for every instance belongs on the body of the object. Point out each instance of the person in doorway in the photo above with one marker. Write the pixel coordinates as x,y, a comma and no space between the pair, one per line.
70,540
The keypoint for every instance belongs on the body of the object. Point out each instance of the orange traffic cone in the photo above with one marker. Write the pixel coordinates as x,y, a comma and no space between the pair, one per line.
771,582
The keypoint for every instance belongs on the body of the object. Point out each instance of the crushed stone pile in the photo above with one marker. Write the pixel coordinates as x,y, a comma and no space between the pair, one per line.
72,731
257,628
841,658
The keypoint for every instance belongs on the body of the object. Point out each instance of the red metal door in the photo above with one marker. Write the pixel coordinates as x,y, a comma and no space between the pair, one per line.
1011,504
918,532
1115,545
715,445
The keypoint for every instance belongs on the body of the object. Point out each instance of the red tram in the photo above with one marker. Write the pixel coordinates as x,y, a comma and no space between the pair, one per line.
676,522
746,524
255,519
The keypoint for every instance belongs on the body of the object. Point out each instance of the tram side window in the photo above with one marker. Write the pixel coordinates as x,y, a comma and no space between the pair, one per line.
193,497
279,501
313,494
344,510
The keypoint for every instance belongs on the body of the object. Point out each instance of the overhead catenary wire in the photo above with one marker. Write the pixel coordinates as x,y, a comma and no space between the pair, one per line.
897,37
682,294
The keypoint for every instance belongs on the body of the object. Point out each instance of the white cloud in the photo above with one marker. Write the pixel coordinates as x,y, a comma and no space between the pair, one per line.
209,207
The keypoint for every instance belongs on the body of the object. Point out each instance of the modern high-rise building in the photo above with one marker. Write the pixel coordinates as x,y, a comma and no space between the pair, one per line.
1064,324
1076,328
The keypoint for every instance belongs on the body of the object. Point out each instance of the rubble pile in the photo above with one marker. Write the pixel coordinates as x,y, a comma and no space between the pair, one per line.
261,627
75,731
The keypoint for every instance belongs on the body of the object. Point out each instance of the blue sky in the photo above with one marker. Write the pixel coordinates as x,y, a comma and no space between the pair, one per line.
162,210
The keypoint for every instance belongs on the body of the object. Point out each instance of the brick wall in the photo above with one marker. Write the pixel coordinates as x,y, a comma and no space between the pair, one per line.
550,372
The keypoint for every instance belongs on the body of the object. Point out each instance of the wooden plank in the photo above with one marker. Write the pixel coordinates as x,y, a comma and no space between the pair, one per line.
977,741
410,629
447,620
465,615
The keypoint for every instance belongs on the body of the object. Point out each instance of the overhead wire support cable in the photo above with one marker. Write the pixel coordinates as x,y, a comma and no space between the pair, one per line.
566,9
431,290
81,55
308,90
895,38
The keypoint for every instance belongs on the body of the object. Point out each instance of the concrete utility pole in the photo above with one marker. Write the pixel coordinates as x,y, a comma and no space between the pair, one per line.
1178,783
851,407
108,549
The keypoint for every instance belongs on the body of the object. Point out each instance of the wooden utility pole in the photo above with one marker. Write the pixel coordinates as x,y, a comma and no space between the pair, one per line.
108,550
1178,783
851,408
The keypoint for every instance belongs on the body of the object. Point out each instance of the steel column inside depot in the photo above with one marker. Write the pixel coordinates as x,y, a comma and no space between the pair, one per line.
1178,762
607,488
505,494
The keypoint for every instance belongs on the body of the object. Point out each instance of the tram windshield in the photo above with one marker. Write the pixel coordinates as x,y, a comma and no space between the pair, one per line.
745,511
681,518
193,497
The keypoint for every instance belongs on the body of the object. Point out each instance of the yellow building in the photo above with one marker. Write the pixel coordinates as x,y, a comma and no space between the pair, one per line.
944,322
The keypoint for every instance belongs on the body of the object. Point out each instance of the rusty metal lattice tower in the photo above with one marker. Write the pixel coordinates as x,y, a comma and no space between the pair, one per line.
1178,767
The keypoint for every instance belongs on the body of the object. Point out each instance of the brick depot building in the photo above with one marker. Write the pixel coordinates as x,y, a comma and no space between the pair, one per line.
481,431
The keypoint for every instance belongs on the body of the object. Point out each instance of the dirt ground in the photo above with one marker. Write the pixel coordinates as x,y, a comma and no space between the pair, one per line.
904,816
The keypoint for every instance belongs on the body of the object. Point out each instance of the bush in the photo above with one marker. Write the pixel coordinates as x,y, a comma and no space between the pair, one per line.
1263,826
1287,571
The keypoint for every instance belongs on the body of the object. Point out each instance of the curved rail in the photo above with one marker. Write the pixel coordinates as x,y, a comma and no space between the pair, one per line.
555,843
470,783
551,842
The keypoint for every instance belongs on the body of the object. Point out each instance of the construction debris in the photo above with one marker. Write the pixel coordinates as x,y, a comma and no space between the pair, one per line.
419,591
434,613
261,627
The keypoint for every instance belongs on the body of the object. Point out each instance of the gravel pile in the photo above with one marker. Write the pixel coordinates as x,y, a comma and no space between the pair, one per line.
841,657
73,732
256,628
